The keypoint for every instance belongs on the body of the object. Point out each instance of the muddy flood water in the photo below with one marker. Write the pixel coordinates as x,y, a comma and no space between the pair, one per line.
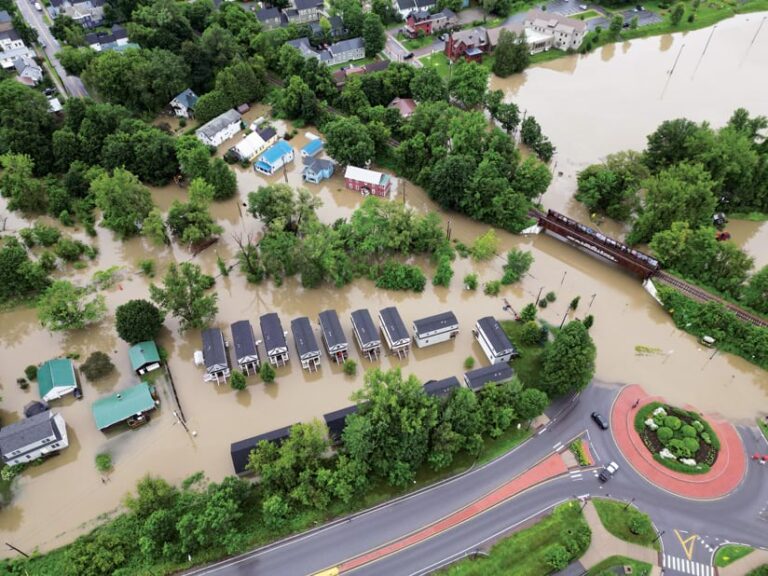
54,502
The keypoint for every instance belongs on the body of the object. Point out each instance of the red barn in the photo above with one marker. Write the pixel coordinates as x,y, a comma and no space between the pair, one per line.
367,181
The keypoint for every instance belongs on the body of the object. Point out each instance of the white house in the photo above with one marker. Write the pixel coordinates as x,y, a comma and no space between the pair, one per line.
29,72
254,144
10,40
274,158
337,53
183,105
221,128
435,329
405,7
566,33
493,340
33,437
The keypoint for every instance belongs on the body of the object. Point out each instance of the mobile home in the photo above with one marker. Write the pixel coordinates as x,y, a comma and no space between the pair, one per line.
306,343
435,329
215,356
366,334
493,374
493,340
395,333
274,339
246,350
333,336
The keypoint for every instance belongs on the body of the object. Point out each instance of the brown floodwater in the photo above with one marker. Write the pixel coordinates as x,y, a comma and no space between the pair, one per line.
66,495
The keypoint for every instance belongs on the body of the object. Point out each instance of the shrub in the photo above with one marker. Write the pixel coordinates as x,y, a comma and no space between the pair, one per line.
588,321
574,303
542,303
349,367
673,422
147,267
237,380
396,276
484,247
492,288
31,372
530,333
69,249
557,557
640,525
706,438
45,235
103,462
23,383
664,434
96,366
528,313
469,363
8,473
518,263
267,373
691,444
470,281
551,297
688,431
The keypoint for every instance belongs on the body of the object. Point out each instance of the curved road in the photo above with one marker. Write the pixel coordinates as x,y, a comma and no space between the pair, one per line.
736,518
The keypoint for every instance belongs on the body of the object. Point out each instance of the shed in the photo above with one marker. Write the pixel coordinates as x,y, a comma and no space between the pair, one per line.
367,181
395,333
274,339
56,378
366,333
333,336
144,357
246,350
493,374
306,343
441,388
215,356
312,148
242,449
435,329
494,342
337,421
131,405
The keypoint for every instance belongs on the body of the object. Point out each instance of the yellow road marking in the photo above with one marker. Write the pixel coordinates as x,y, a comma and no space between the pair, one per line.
687,543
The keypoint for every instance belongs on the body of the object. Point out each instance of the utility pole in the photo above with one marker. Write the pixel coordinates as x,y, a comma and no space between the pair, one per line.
591,301
628,503
448,230
285,171
12,547
564,317
659,535
538,296
563,279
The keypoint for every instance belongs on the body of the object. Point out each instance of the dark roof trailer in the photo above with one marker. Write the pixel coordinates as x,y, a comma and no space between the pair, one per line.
494,342
337,421
435,329
333,336
242,449
215,355
274,339
493,374
442,388
246,351
306,343
395,333
366,333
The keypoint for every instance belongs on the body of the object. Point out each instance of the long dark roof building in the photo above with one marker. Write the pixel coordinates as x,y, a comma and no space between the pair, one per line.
244,341
435,329
395,333
333,335
493,374
242,449
442,387
306,343
274,338
215,354
366,333
494,342
337,421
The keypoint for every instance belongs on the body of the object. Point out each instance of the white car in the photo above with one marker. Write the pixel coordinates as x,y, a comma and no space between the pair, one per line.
583,7
608,472
38,7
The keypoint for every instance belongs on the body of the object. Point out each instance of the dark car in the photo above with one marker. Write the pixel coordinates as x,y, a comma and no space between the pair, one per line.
600,420
408,56
608,472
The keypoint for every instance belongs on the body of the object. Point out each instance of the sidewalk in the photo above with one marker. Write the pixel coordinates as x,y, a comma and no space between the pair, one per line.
604,544
745,565
726,473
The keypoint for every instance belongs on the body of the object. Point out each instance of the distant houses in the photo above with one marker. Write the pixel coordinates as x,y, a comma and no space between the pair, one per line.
221,128
104,41
87,13
469,44
405,106
183,105
56,378
275,157
367,182
33,437
144,357
429,23
336,53
131,405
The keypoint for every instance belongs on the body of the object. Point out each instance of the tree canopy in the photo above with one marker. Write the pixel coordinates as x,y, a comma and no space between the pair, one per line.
569,363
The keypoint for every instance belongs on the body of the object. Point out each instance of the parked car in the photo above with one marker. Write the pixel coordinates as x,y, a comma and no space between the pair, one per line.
38,7
408,56
49,91
600,420
608,472
583,7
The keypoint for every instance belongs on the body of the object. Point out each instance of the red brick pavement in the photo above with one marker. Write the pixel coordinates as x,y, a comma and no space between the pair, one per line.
725,475
548,468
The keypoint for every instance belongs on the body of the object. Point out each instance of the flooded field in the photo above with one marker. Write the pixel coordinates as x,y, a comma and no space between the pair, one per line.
54,502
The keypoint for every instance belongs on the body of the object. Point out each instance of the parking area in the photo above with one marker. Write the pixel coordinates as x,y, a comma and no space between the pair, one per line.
567,7
644,18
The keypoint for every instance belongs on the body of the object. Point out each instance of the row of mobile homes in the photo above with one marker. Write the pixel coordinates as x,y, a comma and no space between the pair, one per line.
395,333
337,421
494,341
493,374
435,329
306,343
274,339
333,336
246,349
240,451
366,334
442,388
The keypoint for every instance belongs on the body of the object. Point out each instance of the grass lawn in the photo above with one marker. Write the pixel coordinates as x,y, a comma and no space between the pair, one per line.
547,55
525,550
360,62
619,521
586,15
415,43
763,424
530,362
437,60
730,553
638,568
751,216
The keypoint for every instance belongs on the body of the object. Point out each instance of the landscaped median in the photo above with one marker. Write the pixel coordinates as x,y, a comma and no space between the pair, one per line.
730,553
609,566
626,522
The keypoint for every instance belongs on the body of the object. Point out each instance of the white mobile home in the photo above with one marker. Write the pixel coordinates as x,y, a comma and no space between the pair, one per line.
435,329
274,339
395,333
306,343
493,340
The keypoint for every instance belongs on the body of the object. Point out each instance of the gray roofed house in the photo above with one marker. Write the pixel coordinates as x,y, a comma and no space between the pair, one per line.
29,72
493,340
441,388
221,128
306,343
304,11
274,339
240,451
493,374
335,341
395,332
337,53
215,355
6,22
33,437
317,169
337,27
337,421
244,343
435,329
366,333
183,104
269,17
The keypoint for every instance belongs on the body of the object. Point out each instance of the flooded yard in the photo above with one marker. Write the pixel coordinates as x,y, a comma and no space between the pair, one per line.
57,500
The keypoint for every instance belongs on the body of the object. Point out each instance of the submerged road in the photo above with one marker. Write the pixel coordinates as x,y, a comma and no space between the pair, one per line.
735,518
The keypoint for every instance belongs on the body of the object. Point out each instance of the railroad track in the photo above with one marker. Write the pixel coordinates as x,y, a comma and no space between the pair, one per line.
703,296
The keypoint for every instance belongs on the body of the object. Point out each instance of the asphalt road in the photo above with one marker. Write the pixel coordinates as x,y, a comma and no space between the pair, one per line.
736,518
72,84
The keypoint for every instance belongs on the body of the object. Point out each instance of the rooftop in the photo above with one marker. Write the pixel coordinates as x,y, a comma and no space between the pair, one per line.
393,324
441,387
346,46
243,339
143,353
331,327
219,123
188,98
364,175
317,164
365,327
337,420
495,335
242,449
120,406
266,14
56,373
552,20
494,373
442,321
276,152
306,343
28,431
405,106
313,147
214,351
272,331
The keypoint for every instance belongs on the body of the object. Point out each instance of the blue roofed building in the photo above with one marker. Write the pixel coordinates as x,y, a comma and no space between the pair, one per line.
274,158
317,169
312,148
184,104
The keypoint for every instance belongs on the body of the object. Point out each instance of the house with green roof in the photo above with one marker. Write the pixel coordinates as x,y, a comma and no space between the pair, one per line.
131,406
144,357
56,378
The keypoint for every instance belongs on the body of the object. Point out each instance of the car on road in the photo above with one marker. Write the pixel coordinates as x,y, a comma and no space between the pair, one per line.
583,7
38,7
600,420
608,472
408,56
49,91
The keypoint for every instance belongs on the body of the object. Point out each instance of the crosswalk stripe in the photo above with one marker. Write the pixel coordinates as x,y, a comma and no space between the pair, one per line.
687,566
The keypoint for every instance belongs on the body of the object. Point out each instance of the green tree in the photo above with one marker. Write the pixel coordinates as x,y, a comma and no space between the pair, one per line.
518,264
427,85
611,188
677,13
267,373
512,55
569,363
273,204
297,100
676,141
138,321
237,380
75,60
192,222
17,183
531,402
64,306
222,179
124,202
19,276
97,366
184,295
617,22
275,511
194,157
143,150
756,291
373,34
348,142
557,557
468,83
161,24
26,124
443,273
153,227
211,105
528,312
484,247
